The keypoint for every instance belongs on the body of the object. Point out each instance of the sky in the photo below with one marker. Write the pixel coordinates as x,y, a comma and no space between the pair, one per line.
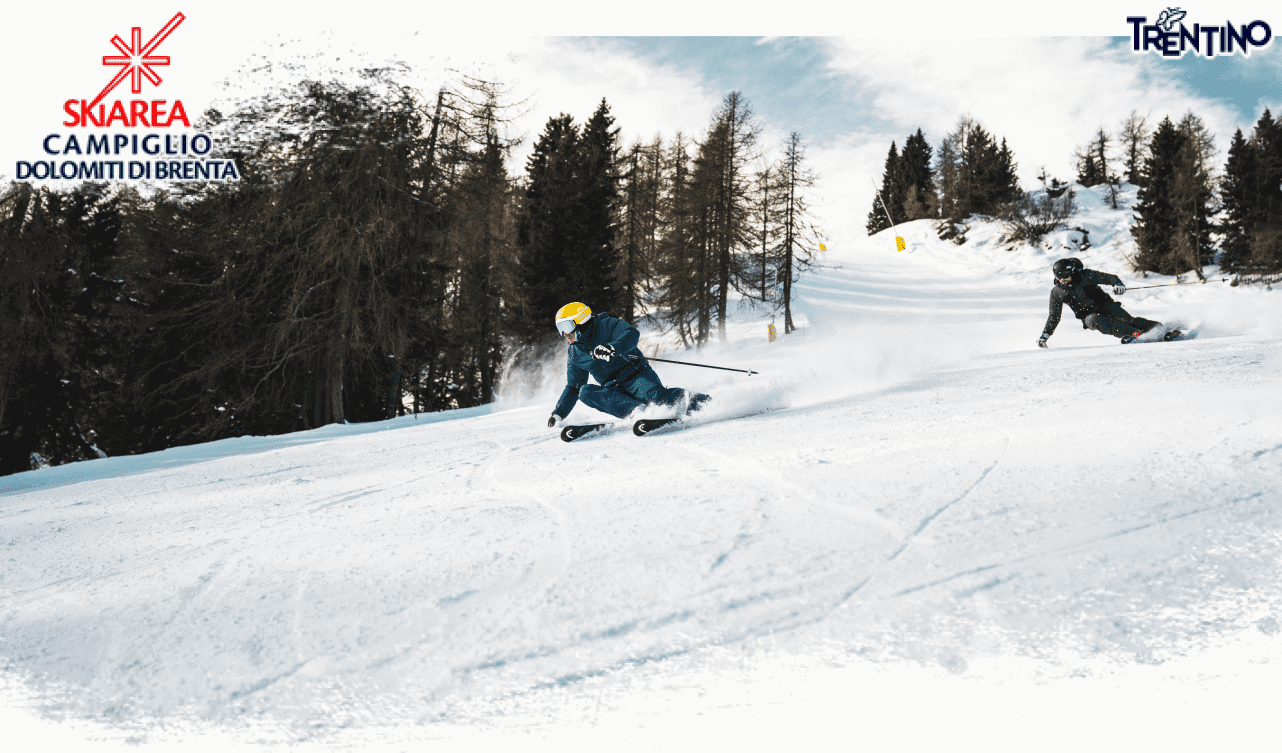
848,82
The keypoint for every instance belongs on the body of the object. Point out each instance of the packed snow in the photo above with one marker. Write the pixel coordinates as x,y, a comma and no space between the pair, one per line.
911,525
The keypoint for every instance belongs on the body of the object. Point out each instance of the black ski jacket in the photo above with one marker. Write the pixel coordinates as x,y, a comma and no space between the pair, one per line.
1082,294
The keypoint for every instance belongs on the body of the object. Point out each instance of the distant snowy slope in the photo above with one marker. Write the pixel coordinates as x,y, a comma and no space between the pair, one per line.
917,486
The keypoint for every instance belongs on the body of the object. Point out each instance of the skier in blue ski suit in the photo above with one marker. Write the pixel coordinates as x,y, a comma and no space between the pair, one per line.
605,348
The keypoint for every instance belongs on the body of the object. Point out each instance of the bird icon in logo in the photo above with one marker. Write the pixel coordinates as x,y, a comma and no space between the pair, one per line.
1169,17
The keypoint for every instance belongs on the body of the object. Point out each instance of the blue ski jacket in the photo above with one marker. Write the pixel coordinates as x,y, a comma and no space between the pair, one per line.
619,370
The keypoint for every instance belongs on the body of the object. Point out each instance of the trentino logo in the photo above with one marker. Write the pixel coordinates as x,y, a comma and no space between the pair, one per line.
162,157
1172,39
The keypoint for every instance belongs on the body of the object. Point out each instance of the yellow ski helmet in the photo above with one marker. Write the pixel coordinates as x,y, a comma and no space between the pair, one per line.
570,316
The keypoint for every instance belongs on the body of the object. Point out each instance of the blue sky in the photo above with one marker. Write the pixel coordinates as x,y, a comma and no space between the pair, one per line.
1242,82
791,84
788,77
849,98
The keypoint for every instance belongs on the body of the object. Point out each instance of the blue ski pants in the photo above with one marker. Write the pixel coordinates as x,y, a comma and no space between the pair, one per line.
618,400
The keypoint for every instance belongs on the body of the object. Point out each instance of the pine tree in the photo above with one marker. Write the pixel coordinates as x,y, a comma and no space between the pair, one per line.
52,322
1266,230
599,196
549,229
988,174
1006,179
731,146
1193,196
886,194
948,169
1156,218
642,184
680,246
976,175
1190,196
762,263
800,237
1088,173
1238,196
1252,198
916,177
1133,134
1100,148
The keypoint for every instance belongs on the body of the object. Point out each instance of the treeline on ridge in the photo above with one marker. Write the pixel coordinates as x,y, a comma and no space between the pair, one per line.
1188,213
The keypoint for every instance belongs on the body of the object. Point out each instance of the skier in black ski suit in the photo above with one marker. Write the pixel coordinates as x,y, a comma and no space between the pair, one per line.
1080,289
605,347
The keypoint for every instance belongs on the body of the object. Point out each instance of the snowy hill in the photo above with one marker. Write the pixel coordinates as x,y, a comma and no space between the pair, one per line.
926,528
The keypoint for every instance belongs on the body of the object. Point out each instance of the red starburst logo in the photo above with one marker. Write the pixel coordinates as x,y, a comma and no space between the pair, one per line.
136,60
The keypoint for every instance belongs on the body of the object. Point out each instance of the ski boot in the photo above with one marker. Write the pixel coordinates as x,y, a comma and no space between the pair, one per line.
696,402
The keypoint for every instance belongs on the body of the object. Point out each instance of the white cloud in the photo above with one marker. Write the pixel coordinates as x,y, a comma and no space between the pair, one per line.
1046,96
572,76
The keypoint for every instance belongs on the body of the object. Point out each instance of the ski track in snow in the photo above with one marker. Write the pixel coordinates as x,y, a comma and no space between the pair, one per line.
908,480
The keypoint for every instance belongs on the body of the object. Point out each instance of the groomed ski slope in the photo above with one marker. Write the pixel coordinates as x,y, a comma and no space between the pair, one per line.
928,529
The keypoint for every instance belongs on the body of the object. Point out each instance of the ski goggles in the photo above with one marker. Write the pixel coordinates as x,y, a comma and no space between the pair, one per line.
565,326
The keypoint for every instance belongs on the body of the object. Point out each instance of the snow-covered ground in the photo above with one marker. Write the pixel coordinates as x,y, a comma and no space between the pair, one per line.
927,529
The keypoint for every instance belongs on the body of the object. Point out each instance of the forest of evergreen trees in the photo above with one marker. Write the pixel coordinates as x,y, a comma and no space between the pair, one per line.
378,257
1188,214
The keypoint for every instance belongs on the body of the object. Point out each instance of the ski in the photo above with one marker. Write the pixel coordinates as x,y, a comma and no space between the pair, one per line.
576,431
647,425
1170,337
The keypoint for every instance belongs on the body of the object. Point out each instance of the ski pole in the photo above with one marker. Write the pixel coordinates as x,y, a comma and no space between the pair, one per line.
702,366
1170,284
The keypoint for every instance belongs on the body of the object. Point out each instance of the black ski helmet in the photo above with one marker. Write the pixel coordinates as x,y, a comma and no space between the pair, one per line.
1065,268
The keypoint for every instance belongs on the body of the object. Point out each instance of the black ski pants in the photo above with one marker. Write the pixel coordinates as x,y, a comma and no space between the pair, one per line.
1112,319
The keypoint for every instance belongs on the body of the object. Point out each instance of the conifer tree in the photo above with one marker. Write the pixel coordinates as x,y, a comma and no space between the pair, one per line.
642,184
948,171
599,195
1006,179
1251,193
761,264
1237,194
1266,224
886,194
1155,215
916,178
976,175
549,229
1133,135
730,149
681,245
800,241
1190,197
54,249
1088,173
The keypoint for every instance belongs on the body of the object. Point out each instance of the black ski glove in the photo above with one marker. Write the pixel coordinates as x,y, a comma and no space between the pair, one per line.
553,421
1119,289
1041,341
603,352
